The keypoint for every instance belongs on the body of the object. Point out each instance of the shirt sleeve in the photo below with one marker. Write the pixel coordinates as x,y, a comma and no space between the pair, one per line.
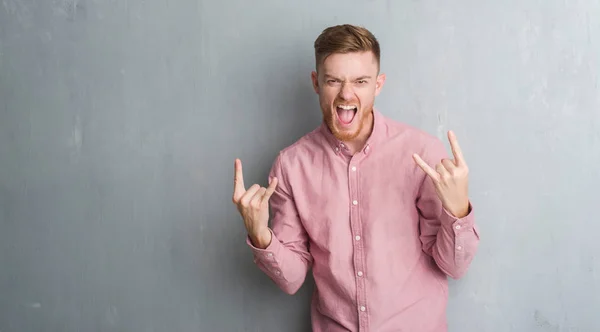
286,259
451,241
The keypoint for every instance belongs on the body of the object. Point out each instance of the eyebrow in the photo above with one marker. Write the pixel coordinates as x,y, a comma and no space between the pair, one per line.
356,79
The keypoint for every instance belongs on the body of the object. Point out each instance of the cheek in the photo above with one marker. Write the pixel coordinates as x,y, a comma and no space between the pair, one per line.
328,96
366,97
325,102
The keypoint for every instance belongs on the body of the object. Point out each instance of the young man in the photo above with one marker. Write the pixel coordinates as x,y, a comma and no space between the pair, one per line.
357,201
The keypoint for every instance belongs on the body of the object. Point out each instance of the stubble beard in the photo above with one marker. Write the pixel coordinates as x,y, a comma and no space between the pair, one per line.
330,119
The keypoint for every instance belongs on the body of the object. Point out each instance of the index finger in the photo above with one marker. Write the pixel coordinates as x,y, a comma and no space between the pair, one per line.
456,150
238,181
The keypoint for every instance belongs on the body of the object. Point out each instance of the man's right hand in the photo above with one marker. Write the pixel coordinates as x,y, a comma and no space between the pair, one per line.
253,205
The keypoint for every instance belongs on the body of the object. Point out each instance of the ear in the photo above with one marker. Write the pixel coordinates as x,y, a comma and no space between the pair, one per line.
315,81
379,83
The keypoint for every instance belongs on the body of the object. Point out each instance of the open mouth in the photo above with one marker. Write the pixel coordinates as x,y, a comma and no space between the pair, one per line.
346,113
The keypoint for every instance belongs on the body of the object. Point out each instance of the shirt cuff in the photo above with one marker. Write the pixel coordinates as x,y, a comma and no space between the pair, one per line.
268,258
459,225
269,252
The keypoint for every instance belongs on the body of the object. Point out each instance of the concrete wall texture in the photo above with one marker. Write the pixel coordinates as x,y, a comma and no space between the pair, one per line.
120,122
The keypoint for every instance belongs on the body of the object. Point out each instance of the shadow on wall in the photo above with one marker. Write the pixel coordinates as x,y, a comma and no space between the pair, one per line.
293,111
212,265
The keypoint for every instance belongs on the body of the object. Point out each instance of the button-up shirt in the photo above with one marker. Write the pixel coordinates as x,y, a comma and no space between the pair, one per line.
371,228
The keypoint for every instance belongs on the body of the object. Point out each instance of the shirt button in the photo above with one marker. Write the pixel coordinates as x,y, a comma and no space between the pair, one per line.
270,254
360,273
337,149
354,202
357,237
353,168
362,308
459,247
277,272
457,227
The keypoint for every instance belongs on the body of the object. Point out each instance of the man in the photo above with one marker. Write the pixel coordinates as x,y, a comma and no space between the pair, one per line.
357,201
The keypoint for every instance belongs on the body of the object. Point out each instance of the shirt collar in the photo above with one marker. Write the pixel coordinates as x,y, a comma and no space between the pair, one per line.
376,135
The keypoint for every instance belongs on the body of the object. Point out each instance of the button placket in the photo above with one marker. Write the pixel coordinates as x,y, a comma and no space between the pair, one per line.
357,243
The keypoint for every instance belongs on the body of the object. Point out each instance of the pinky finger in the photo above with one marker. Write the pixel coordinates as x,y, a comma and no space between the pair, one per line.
426,168
271,189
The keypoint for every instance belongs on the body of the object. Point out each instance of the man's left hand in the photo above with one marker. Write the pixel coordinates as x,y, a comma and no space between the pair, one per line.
451,179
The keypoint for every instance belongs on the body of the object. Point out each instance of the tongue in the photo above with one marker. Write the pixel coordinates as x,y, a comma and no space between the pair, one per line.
345,115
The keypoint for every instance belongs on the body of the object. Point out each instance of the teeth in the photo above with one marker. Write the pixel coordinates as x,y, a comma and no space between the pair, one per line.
347,107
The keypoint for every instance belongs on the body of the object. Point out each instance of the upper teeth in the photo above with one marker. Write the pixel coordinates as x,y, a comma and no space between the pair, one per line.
346,107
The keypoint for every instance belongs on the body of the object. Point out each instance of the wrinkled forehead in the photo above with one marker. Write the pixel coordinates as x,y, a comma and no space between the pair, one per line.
350,65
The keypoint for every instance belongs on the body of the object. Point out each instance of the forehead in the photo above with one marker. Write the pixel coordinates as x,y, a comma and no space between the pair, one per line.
350,64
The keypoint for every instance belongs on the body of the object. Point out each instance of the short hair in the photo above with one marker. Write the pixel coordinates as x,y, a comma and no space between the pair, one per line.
345,38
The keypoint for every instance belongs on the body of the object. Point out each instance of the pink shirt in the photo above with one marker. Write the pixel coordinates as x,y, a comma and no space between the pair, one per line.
370,226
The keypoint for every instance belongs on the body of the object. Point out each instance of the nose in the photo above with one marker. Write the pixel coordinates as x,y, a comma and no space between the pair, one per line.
346,92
